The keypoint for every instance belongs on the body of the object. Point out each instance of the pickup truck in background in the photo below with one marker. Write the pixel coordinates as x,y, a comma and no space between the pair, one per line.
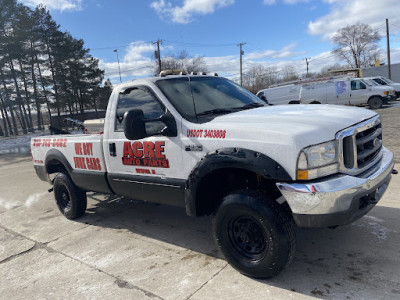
388,83
345,91
207,145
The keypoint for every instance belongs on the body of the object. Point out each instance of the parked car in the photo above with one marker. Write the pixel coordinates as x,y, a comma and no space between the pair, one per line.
387,82
345,91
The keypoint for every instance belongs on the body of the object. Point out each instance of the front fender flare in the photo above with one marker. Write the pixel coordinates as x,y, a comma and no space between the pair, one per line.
231,158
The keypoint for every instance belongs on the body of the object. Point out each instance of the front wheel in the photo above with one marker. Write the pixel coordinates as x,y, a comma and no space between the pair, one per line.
70,199
255,234
375,103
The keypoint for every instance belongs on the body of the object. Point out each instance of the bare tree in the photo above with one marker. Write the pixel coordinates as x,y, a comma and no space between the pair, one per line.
356,44
183,61
289,73
259,77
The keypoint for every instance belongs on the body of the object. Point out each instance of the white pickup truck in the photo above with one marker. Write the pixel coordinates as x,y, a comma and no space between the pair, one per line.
207,145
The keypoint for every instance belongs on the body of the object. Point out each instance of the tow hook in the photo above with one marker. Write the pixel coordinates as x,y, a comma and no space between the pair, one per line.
395,171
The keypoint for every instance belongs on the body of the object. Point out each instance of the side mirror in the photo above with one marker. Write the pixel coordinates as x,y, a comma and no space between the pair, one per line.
263,98
134,127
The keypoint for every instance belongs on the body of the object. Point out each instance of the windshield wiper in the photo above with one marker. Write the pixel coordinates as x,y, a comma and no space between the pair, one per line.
250,105
230,110
216,111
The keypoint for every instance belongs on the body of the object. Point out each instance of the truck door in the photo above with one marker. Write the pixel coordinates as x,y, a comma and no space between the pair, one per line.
147,169
358,92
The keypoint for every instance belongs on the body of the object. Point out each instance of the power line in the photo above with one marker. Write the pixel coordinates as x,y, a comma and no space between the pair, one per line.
198,45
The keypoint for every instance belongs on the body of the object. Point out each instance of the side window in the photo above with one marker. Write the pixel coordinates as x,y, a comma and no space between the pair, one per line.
357,85
138,98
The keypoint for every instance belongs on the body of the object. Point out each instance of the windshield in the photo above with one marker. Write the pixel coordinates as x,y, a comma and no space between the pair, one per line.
380,81
205,96
387,80
367,82
371,82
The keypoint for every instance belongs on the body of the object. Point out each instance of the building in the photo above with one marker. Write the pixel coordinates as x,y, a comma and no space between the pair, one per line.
382,71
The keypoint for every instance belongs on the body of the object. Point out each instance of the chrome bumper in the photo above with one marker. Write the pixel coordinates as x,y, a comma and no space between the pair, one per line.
340,199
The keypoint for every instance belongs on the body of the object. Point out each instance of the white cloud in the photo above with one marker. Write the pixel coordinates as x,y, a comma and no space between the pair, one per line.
285,52
348,12
184,14
136,61
61,5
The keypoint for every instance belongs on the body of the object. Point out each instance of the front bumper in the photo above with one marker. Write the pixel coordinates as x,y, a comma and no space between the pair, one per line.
338,199
386,99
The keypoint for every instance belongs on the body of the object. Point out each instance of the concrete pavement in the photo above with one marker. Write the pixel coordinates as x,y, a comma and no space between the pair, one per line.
124,249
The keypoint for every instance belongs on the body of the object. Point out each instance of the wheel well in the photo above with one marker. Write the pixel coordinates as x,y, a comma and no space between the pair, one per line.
378,96
315,102
217,184
55,166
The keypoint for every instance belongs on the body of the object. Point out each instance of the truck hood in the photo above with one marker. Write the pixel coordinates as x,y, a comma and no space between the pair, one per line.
303,124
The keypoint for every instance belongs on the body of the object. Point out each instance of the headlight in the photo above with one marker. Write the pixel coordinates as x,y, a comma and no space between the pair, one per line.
317,161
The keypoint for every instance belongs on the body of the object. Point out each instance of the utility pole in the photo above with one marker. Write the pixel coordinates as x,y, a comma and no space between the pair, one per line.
241,54
119,69
307,62
388,49
157,54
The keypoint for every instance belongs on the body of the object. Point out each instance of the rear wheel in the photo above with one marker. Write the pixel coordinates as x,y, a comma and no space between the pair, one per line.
375,103
70,199
255,234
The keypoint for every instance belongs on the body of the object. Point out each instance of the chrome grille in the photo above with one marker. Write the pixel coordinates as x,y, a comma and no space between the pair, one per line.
359,147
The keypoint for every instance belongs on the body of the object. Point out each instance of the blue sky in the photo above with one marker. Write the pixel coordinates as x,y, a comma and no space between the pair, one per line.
276,32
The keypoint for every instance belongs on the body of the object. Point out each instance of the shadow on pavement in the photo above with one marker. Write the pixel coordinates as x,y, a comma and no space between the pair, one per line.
358,258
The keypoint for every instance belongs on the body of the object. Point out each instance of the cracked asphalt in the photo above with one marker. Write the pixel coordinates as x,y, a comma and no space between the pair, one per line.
125,249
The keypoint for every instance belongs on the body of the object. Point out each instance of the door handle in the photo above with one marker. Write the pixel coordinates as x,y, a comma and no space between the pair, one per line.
113,149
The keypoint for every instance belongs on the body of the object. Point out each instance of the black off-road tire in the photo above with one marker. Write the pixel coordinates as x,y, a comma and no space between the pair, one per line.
375,103
70,199
254,233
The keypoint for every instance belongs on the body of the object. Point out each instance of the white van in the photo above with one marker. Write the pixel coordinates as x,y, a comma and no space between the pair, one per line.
285,94
345,91
386,81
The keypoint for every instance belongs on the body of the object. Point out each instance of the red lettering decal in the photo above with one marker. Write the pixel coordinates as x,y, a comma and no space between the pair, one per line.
137,149
148,149
127,150
78,149
159,151
87,149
